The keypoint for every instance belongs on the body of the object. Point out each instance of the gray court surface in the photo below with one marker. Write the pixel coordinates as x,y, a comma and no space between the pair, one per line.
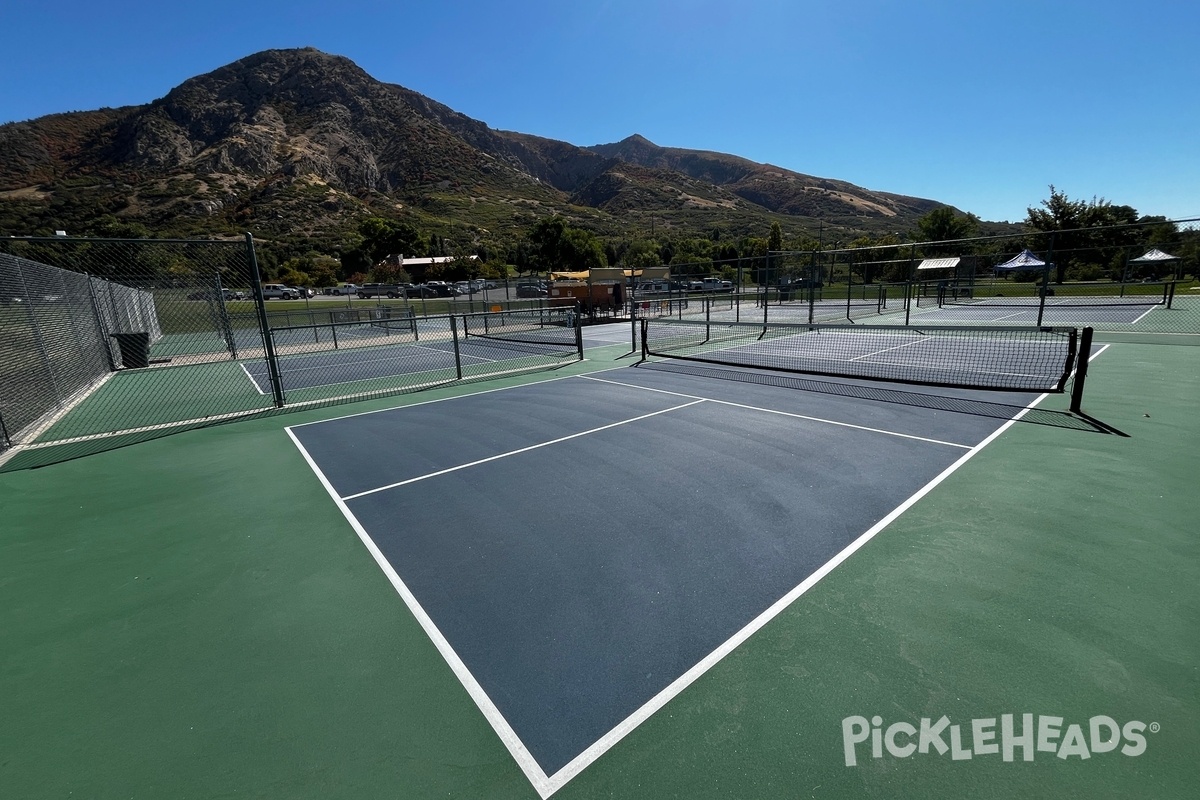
343,366
576,546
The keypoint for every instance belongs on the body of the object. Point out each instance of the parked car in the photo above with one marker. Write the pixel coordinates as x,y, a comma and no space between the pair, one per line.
419,290
531,290
277,291
391,290
440,288
653,287
302,292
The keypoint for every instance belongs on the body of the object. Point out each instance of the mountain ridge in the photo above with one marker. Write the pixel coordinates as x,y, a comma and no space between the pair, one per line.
301,143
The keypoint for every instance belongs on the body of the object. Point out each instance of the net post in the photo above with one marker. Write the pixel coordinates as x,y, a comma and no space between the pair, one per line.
1169,293
1081,365
454,336
812,289
264,325
707,318
1042,292
849,286
645,322
579,334
737,297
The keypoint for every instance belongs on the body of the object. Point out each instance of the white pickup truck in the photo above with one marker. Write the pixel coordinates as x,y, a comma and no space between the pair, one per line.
277,291
716,285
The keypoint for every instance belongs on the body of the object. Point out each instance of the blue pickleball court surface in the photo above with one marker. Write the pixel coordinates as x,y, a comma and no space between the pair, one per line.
575,563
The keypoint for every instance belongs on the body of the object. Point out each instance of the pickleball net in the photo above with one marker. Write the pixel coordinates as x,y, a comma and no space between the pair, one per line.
1031,359
549,328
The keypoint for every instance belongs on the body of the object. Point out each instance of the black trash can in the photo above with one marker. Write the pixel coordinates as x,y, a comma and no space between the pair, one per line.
786,294
135,348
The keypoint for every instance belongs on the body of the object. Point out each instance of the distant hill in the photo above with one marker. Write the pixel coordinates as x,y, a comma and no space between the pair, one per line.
297,145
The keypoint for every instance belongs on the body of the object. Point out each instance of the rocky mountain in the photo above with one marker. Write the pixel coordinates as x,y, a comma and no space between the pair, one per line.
299,145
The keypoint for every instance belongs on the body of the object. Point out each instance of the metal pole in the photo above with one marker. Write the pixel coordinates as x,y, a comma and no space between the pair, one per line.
105,341
812,289
457,355
1081,364
737,299
225,324
579,334
264,326
908,287
1043,292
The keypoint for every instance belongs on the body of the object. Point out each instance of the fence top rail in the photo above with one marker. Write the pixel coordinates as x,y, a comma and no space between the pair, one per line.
239,242
966,330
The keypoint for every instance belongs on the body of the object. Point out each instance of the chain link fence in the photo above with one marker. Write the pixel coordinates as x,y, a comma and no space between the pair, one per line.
1133,282
105,343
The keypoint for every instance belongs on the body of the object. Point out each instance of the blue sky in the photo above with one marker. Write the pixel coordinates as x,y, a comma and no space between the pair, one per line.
979,105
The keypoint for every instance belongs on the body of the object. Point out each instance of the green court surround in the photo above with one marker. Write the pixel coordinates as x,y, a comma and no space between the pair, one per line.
192,617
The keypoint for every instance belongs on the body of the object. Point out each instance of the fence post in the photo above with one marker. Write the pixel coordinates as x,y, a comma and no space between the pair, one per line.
105,341
264,327
454,336
579,334
226,326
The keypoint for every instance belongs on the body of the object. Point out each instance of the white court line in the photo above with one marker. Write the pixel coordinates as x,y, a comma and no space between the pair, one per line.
1142,315
782,413
253,380
584,759
520,450
533,772
888,349
451,352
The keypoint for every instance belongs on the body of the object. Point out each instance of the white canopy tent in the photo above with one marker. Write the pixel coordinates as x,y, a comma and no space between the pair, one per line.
1154,256
1025,260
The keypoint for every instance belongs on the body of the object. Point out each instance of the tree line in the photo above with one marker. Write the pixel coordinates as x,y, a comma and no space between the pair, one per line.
1083,239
